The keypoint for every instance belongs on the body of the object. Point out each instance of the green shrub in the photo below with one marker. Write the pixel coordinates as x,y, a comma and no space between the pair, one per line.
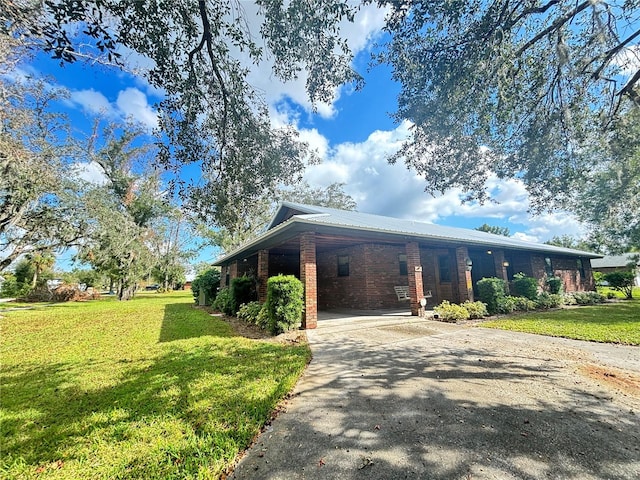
209,280
284,304
506,304
621,281
588,298
243,290
549,300
524,286
12,288
475,309
523,304
224,302
569,299
490,291
554,284
451,312
249,312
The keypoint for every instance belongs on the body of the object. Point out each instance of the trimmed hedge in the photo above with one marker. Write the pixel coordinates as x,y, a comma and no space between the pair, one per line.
524,286
475,309
284,304
491,291
224,302
554,284
451,312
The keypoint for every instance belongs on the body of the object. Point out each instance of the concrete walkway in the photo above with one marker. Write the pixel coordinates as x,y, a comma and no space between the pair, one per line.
394,397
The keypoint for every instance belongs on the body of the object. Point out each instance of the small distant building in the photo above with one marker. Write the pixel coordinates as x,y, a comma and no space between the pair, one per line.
615,263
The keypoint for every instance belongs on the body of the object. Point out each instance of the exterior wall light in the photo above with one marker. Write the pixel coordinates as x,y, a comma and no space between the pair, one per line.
489,252
505,264
468,263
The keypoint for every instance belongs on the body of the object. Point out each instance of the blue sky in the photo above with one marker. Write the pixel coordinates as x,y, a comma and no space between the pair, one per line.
354,135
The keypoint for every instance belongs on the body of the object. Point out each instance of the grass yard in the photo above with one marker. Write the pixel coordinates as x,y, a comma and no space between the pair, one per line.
150,388
611,323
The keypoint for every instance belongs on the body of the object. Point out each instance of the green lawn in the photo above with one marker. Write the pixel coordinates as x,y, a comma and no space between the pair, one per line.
151,388
611,322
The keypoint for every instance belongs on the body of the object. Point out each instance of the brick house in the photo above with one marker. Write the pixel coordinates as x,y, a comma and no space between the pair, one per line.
348,259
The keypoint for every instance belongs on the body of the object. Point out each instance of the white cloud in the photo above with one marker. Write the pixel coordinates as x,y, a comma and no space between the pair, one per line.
90,172
396,191
628,59
367,26
133,104
92,102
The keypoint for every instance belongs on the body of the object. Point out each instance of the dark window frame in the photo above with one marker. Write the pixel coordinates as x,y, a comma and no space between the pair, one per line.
548,267
580,265
444,268
343,266
402,262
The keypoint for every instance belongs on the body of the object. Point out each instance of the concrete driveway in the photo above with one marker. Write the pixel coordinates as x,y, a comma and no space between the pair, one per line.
394,397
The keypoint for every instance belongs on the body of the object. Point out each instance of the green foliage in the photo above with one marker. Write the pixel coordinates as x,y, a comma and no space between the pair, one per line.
224,302
285,303
588,298
475,309
209,280
490,291
523,121
598,277
451,312
612,323
506,304
524,304
524,286
243,290
621,281
250,313
554,285
11,288
549,300
485,227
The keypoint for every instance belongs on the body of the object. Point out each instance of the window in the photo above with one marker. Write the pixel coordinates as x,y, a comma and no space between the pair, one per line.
580,266
402,260
548,267
443,266
343,265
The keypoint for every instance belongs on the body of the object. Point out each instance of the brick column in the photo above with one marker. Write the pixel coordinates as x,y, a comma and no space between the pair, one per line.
263,274
465,284
414,271
308,276
223,276
233,271
501,270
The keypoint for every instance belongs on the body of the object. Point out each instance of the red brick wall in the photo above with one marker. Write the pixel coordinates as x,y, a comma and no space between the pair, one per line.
565,268
342,292
373,272
263,275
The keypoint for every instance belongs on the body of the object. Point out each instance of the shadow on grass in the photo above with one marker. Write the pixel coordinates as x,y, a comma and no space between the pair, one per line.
186,410
183,320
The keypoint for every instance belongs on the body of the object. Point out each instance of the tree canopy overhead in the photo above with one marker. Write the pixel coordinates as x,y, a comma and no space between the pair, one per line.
200,53
515,87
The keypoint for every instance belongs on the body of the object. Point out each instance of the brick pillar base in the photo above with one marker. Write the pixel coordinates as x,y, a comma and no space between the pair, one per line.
263,274
414,271
308,276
